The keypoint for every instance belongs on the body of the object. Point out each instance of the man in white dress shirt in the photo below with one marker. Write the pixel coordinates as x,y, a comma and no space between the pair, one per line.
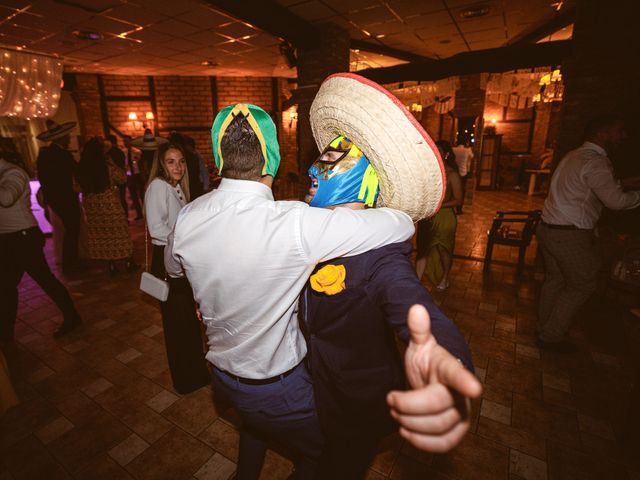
582,184
464,155
247,258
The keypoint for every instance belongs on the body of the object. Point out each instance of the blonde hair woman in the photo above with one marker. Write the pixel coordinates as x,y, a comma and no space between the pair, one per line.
167,192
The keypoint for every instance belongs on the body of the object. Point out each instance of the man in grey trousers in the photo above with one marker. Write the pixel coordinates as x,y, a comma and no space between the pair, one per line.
582,184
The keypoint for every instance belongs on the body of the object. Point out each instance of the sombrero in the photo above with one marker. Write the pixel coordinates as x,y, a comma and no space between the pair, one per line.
406,159
148,141
55,131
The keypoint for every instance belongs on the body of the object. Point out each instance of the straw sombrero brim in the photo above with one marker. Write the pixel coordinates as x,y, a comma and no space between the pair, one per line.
406,159
56,132
140,144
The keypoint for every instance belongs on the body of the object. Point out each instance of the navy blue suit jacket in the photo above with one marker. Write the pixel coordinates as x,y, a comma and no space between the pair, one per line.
353,355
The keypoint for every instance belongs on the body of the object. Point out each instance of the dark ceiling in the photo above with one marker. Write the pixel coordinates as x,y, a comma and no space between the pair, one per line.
168,37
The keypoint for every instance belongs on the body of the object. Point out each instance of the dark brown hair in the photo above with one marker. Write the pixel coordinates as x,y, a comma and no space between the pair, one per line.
241,151
93,173
446,152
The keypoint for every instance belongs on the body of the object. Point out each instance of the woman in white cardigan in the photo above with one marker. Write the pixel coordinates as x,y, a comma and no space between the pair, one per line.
167,192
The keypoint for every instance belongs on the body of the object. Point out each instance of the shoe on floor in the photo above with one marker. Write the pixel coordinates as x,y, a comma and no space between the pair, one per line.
442,286
559,347
67,326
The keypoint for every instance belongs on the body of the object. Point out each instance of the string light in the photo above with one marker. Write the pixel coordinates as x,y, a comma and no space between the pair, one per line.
33,88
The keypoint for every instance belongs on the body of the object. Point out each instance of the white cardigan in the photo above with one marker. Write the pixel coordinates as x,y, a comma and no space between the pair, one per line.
162,203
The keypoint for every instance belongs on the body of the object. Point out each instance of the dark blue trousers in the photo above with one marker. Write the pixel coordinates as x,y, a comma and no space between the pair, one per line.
283,412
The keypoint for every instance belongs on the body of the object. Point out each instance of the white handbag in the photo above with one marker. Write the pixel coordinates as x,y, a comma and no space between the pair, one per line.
150,284
154,286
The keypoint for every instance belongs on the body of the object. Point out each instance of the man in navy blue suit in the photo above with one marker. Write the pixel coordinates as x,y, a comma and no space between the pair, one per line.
354,309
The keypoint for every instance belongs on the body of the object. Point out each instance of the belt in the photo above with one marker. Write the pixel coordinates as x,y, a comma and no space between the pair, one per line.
258,381
565,227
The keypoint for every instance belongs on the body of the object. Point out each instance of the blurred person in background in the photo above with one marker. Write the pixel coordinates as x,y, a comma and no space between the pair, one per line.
56,169
437,235
108,236
21,250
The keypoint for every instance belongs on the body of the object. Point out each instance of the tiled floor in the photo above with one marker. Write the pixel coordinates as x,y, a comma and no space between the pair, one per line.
98,404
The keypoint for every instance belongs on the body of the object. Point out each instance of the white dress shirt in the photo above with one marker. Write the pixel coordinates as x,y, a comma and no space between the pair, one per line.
463,158
162,203
248,257
581,185
15,199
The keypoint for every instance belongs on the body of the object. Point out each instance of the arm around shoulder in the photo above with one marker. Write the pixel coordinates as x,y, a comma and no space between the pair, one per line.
328,234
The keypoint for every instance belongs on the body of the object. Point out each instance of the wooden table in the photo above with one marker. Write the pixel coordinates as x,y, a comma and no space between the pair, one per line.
533,178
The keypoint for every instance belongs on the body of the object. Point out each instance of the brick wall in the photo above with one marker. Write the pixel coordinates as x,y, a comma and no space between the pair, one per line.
116,85
87,97
119,116
183,103
515,135
469,97
255,90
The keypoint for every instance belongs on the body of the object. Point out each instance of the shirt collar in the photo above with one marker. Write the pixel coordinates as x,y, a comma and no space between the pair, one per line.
594,147
246,186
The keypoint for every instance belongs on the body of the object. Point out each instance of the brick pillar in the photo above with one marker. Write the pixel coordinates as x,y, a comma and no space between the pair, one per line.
601,75
330,55
87,98
470,100
469,97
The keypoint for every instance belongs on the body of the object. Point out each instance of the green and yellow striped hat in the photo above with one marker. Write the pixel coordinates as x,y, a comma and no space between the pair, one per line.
262,125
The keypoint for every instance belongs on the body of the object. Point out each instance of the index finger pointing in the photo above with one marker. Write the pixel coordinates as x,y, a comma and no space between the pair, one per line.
454,375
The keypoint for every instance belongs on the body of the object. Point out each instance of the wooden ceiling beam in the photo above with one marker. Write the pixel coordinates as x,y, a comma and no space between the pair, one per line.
271,17
388,51
491,60
538,32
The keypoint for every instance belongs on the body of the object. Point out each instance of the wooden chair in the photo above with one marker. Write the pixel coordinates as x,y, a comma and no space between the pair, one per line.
501,233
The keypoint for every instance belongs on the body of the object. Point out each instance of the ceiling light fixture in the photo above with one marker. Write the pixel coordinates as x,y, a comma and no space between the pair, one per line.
209,63
88,35
474,11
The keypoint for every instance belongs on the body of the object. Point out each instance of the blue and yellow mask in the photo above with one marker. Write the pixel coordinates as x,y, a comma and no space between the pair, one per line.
344,175
260,123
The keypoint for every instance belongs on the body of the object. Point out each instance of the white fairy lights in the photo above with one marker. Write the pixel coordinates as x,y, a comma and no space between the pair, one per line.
29,84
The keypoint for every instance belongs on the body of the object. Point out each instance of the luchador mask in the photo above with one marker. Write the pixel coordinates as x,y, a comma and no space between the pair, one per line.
343,175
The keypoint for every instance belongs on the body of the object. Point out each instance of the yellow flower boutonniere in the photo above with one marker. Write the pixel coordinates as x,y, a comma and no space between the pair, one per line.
329,279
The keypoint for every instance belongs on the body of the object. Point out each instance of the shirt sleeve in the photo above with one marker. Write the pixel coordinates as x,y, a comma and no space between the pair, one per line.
156,212
172,263
327,234
600,179
395,288
12,186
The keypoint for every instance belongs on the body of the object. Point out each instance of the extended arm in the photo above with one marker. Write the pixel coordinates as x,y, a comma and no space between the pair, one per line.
395,288
328,234
601,180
